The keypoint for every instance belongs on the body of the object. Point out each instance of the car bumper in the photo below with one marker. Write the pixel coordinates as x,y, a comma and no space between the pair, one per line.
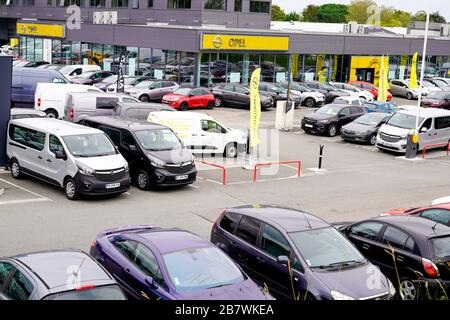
93,185
316,127
165,178
399,147
355,137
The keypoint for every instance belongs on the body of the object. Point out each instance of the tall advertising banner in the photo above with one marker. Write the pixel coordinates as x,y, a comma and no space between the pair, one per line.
5,102
383,84
121,71
413,77
255,108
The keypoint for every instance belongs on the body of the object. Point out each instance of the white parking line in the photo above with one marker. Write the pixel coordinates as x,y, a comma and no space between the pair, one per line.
24,201
40,197
193,186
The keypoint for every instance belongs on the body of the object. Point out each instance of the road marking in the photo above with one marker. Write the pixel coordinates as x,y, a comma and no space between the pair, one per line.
26,190
193,186
24,201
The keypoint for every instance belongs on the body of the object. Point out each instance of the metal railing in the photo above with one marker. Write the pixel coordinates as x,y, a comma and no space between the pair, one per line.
224,170
299,166
425,147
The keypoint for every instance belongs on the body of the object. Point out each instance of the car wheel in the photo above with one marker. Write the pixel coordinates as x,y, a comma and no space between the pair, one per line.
332,130
408,290
144,98
143,180
15,169
409,96
218,101
210,105
373,139
70,188
184,106
51,114
231,150
310,103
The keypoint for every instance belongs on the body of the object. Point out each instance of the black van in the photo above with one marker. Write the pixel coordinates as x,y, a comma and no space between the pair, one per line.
155,154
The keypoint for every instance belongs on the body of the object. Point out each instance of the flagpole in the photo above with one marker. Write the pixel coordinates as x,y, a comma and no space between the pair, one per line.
422,69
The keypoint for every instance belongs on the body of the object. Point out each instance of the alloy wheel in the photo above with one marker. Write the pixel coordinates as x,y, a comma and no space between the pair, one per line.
407,290
70,189
218,102
142,180
15,169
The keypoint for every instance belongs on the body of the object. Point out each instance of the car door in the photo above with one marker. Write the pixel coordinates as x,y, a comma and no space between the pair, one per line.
195,98
365,236
441,130
426,133
395,88
213,136
229,96
126,142
242,96
156,92
344,116
56,168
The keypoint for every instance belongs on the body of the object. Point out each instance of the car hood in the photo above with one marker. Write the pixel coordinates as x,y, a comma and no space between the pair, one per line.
353,126
171,156
173,97
395,131
357,282
79,80
246,290
319,116
115,161
430,100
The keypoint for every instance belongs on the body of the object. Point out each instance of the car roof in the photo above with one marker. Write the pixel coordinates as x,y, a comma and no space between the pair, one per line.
288,219
51,267
181,115
125,123
416,226
54,126
18,111
98,94
143,105
427,112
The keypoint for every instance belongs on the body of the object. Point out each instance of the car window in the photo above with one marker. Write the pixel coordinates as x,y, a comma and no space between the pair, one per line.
156,85
368,230
345,112
106,103
126,247
196,92
274,243
229,221
113,134
248,230
5,269
442,123
410,245
438,215
28,137
212,126
205,92
147,263
426,124
228,88
394,237
241,90
54,144
20,287
58,80
126,138
355,110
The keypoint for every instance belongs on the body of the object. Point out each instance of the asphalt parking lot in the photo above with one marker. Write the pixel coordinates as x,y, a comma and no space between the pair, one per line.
357,182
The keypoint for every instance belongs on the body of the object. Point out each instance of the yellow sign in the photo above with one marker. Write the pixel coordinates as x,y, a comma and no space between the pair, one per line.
43,30
384,84
255,107
244,43
413,77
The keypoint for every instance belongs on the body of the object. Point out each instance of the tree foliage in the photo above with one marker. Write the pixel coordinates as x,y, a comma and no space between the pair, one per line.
310,13
332,13
278,14
434,17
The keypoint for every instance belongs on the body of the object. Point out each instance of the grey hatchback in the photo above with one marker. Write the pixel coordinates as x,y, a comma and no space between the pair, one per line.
56,275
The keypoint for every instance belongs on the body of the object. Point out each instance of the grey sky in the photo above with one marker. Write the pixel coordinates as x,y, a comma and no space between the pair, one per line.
408,5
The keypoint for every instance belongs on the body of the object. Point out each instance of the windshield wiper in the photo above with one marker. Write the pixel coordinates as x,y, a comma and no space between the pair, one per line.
346,263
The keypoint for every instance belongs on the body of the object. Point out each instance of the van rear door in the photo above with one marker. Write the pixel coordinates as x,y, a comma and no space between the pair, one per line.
442,129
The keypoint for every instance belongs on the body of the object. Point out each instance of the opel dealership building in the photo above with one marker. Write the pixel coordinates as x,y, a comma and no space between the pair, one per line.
210,41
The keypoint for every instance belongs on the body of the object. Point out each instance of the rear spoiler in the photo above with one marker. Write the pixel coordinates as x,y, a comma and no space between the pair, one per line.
127,229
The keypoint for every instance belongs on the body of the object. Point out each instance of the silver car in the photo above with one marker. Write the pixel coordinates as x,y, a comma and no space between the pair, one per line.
152,90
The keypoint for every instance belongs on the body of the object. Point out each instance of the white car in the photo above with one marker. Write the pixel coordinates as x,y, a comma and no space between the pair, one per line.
354,101
72,71
442,200
353,91
310,98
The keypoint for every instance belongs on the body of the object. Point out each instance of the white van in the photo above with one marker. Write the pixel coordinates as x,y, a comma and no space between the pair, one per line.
79,105
71,71
434,128
50,97
80,159
201,133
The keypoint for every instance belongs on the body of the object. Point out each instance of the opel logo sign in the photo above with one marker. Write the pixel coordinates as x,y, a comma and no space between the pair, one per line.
112,172
217,42
255,83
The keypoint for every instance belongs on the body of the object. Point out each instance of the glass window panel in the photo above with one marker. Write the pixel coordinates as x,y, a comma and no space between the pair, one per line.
215,4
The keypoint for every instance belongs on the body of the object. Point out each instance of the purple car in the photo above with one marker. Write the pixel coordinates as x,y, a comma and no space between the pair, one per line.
168,264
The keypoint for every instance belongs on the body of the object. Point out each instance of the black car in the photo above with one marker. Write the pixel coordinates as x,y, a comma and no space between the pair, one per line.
155,154
413,252
237,95
365,128
91,77
278,93
330,118
296,255
326,89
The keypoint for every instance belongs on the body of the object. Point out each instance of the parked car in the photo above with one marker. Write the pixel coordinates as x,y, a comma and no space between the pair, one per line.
50,97
383,107
431,86
309,98
237,95
201,133
152,90
82,160
35,64
111,82
437,212
21,113
25,80
446,80
330,118
434,128
79,105
349,100
370,87
443,85
130,82
326,89
401,88
56,67
185,98
323,264
154,153
56,275
412,252
91,77
171,264
138,110
364,129
72,71
437,100
279,93
353,91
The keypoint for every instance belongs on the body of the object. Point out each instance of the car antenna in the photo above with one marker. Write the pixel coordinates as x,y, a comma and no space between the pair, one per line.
304,216
75,273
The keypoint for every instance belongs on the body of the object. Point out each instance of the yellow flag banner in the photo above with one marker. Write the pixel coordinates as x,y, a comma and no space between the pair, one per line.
413,77
383,84
255,108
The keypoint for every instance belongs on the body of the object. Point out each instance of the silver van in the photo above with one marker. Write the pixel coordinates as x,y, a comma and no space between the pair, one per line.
80,159
79,105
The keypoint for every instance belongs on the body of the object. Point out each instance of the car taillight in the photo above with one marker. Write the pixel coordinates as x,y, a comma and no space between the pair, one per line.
39,102
71,113
85,287
94,244
430,268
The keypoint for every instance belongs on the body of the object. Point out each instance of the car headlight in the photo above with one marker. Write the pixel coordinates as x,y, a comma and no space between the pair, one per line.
158,163
392,290
323,121
85,169
336,295
126,167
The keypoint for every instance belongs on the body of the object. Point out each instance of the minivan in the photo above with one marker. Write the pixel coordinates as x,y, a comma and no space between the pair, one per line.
202,133
155,154
50,97
25,80
79,105
434,128
82,160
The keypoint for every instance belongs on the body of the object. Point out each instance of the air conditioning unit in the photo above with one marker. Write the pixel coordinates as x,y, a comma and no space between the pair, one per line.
112,17
445,30
360,29
351,27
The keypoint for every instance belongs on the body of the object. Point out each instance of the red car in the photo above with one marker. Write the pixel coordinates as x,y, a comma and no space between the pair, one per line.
185,98
439,213
367,86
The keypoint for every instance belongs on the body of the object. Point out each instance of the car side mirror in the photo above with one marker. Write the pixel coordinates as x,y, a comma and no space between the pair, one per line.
341,115
423,129
284,260
151,282
60,155
133,148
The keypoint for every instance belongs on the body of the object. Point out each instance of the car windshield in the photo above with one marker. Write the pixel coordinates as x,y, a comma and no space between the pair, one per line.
144,84
329,109
404,121
439,95
201,268
341,101
158,139
326,247
89,145
370,119
112,292
66,70
441,247
326,86
276,88
87,74
111,79
183,91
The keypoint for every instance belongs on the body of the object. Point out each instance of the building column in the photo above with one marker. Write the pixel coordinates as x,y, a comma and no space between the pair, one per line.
197,68
245,67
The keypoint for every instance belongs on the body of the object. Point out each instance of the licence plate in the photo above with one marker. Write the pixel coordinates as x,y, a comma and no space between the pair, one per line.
112,185
308,125
181,177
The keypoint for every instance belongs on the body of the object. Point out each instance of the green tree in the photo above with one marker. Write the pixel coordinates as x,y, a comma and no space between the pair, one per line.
360,10
333,13
278,14
434,17
309,14
293,16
